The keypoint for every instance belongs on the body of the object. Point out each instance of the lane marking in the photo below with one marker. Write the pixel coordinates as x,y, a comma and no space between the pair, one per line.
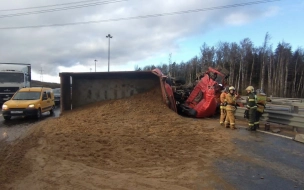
270,133
275,134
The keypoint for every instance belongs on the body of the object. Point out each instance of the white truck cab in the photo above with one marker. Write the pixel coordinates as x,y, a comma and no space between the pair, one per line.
13,76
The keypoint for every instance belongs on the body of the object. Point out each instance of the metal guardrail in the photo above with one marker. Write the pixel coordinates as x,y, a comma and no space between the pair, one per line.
290,105
290,119
301,100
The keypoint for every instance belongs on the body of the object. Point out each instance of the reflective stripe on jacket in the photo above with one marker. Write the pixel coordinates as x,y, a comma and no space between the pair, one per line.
251,101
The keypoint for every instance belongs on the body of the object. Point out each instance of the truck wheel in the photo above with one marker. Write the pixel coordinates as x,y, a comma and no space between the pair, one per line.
7,118
38,116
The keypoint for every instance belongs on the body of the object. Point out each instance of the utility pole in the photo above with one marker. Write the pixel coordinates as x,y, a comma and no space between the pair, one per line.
95,65
109,36
41,74
90,69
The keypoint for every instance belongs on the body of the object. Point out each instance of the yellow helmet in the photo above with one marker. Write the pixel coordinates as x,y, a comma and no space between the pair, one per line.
231,88
250,88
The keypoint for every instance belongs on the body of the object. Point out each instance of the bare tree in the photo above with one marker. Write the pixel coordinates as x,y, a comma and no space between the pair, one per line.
170,64
254,50
279,72
270,74
246,54
266,40
296,60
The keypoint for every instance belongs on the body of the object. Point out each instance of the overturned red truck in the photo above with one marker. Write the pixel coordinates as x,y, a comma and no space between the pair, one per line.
199,100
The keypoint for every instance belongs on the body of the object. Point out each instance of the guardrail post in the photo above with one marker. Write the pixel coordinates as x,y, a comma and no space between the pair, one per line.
294,109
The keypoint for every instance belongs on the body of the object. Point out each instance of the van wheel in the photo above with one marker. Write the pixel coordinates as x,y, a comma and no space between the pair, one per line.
7,117
38,116
52,110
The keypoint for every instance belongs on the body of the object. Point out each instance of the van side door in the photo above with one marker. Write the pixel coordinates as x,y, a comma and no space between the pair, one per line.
44,102
50,99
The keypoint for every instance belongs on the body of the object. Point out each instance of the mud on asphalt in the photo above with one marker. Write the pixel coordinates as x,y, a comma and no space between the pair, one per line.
18,126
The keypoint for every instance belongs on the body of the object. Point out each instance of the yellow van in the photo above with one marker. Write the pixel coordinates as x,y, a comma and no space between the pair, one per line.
29,102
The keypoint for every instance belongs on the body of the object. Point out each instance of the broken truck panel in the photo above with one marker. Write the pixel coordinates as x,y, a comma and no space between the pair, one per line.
199,101
167,92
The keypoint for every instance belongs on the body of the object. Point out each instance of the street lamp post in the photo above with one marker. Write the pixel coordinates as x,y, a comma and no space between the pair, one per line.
109,36
95,64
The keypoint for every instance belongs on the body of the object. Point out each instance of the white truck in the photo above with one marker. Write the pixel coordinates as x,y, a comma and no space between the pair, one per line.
13,76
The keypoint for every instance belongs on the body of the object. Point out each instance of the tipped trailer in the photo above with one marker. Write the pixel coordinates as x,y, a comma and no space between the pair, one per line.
201,100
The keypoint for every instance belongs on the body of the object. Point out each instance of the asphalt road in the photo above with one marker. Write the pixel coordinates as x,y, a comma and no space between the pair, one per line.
17,126
263,161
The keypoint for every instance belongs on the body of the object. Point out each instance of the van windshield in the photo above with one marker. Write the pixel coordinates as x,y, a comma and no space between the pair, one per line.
11,77
27,96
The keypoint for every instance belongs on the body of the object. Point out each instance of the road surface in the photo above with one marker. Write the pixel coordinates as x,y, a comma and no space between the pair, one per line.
17,126
263,161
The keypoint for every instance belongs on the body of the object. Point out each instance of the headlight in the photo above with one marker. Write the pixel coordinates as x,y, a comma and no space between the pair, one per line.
31,106
4,107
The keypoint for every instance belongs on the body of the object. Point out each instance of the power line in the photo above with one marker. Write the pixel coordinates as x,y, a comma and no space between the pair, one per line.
54,5
144,16
60,9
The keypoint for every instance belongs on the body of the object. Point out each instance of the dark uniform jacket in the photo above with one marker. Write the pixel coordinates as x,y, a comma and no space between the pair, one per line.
251,101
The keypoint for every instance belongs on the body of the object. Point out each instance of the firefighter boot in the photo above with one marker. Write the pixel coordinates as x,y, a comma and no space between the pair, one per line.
257,126
232,127
251,128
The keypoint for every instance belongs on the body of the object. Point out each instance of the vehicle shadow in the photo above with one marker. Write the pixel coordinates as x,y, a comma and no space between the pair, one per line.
25,121
18,126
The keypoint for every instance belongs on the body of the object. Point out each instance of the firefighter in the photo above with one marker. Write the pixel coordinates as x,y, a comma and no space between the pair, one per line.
230,108
261,104
252,107
223,105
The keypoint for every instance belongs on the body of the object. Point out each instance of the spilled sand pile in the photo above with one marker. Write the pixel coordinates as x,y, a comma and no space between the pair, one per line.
132,143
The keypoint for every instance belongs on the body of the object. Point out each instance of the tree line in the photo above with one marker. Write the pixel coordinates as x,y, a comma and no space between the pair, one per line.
278,71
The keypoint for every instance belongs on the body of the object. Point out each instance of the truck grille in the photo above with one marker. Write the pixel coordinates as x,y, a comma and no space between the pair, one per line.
8,89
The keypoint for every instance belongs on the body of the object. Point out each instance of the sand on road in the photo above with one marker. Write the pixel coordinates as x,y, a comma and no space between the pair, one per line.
132,143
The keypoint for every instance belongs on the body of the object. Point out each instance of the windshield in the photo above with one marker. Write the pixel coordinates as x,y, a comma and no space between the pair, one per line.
56,90
11,77
27,96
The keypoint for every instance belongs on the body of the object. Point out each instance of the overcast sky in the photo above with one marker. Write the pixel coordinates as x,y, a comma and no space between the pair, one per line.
73,48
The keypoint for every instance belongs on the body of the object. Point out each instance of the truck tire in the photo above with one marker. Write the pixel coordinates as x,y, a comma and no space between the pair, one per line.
6,118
